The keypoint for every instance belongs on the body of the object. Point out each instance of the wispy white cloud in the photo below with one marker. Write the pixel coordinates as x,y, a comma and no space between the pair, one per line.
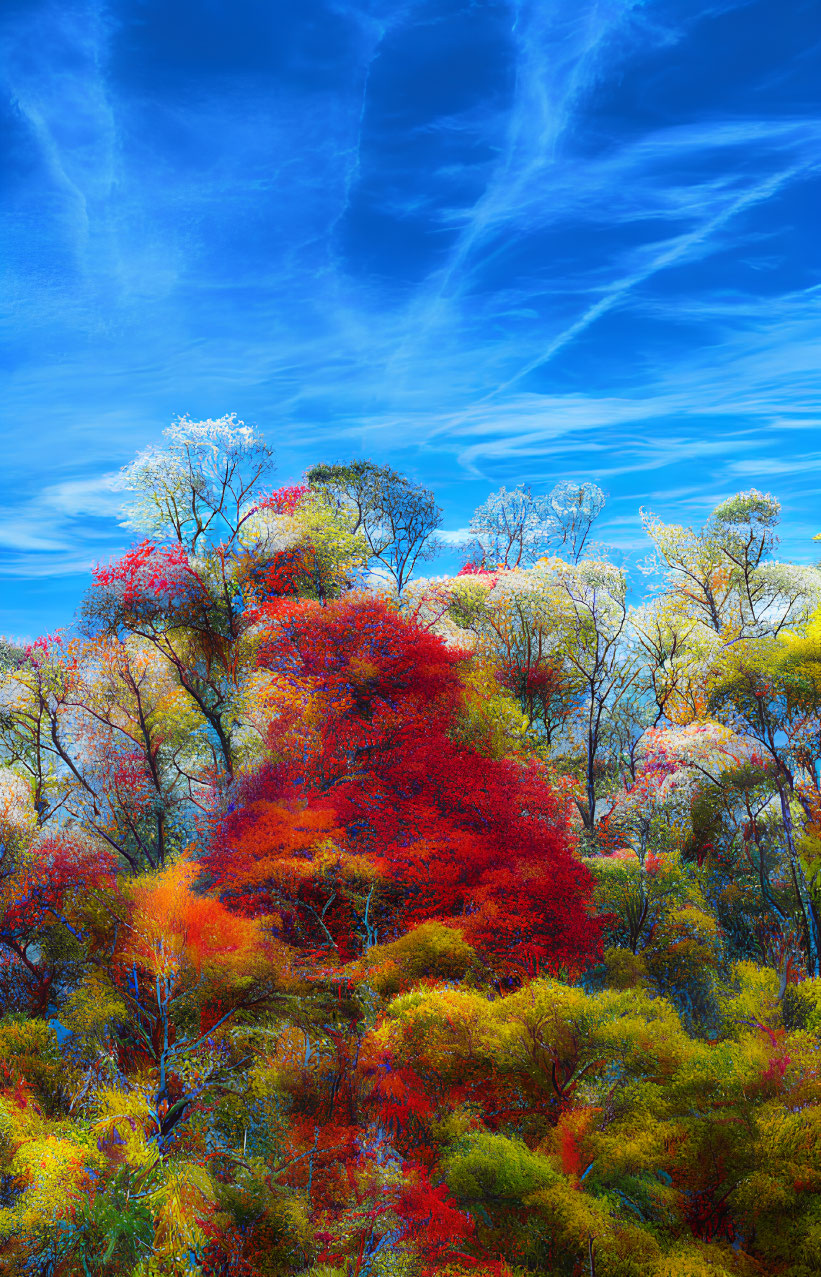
18,531
767,467
48,534
455,536
52,63
83,496
556,50
670,254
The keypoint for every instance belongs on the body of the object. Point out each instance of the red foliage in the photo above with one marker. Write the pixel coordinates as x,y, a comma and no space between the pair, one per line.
708,1214
281,576
150,574
60,865
478,569
569,1152
377,674
430,1219
459,836
399,1094
284,500
39,651
39,894
429,1214
539,679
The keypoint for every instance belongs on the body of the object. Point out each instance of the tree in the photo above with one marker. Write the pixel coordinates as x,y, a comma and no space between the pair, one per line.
301,970
368,752
199,488
704,793
135,733
590,602
513,619
181,966
166,972
398,518
676,646
506,618
722,574
109,740
301,542
514,528
558,635
575,506
186,598
760,690
33,722
159,595
45,878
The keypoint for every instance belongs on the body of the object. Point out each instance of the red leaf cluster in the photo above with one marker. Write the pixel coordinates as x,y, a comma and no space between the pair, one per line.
453,834
284,500
148,574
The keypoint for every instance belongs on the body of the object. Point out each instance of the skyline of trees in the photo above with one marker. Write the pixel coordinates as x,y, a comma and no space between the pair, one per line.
371,924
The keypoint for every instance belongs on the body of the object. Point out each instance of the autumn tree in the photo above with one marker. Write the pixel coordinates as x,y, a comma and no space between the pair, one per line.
676,645
181,591
44,875
198,489
397,517
724,575
512,619
156,595
766,690
377,698
559,637
514,529
300,541
592,615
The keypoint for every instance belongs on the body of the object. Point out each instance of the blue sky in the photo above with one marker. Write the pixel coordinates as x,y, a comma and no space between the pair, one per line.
487,242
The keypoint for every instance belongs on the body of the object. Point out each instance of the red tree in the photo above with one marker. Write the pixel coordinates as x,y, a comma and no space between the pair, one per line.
41,892
480,843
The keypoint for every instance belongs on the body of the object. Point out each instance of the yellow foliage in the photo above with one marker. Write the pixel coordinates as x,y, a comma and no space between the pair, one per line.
186,1196
51,1169
432,951
686,945
801,651
29,1051
628,1148
491,721
625,970
543,1031
438,1026
580,1223
92,1009
802,1006
694,1261
750,997
123,1124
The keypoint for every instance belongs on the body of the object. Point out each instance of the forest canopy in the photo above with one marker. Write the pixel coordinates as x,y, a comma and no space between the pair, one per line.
358,922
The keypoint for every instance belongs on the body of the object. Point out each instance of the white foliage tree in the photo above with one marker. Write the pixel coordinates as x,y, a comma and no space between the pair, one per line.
199,486
515,528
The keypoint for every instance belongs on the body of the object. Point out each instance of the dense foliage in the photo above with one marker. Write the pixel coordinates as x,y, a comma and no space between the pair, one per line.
357,923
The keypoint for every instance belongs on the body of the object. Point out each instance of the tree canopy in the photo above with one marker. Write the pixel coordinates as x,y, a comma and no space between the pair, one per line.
357,923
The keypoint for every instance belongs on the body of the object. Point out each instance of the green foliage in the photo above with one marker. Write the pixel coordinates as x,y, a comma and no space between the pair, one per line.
492,1170
431,951
801,1006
